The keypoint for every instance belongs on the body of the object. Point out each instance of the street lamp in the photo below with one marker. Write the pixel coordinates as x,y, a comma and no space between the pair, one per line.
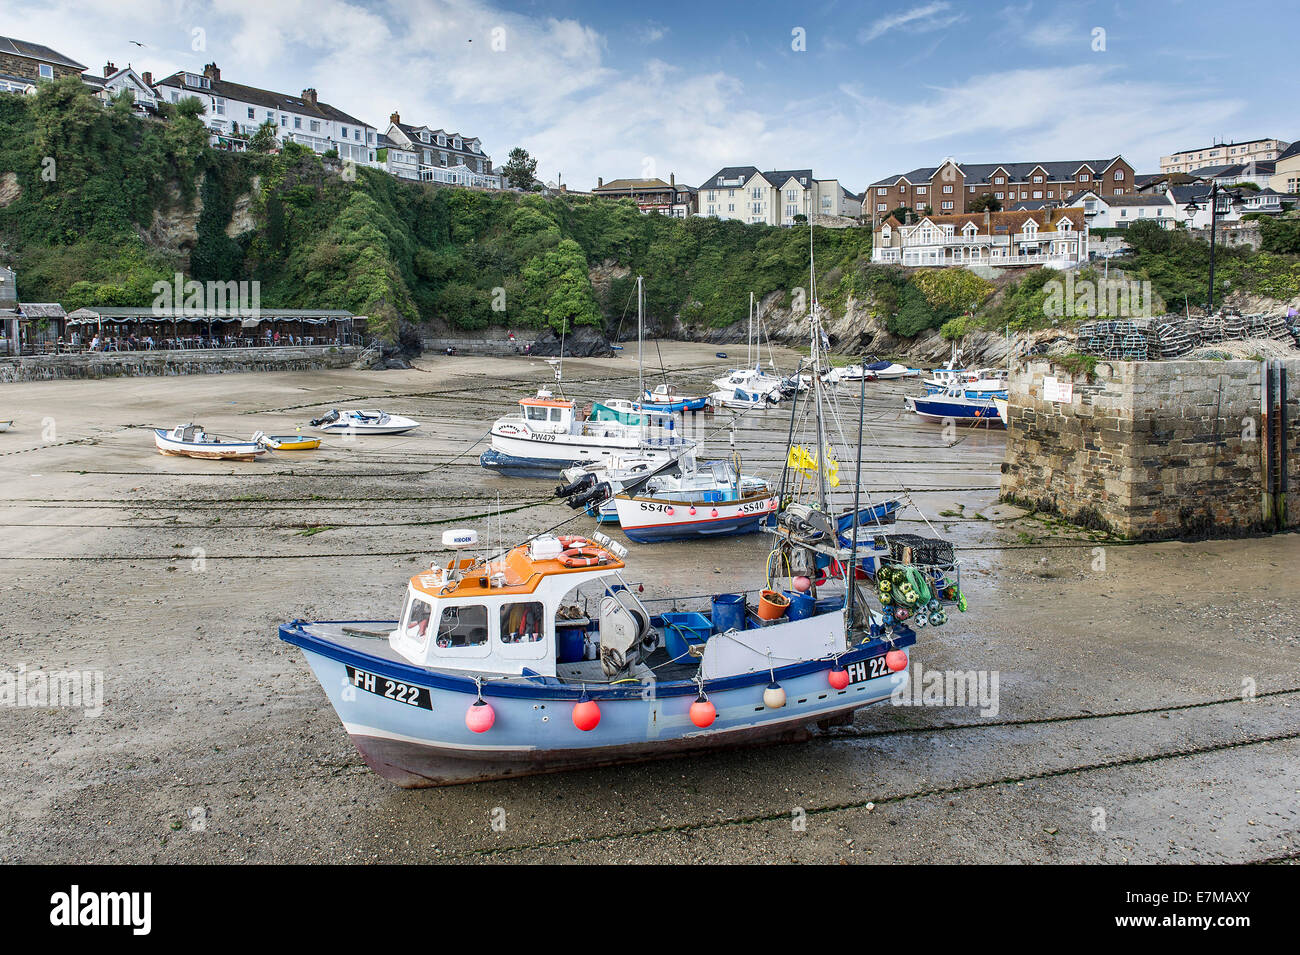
1195,205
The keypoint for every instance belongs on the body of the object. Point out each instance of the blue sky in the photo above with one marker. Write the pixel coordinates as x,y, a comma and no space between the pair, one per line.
614,90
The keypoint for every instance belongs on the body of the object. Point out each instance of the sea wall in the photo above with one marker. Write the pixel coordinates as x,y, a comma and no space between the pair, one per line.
163,363
1150,450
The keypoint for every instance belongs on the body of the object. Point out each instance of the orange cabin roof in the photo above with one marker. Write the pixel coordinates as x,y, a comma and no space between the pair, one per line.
522,573
547,402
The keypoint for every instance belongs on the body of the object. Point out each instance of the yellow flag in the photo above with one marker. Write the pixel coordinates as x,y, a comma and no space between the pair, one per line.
807,464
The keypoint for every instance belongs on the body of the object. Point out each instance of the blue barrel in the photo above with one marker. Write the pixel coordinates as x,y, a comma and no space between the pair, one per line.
802,606
728,612
572,644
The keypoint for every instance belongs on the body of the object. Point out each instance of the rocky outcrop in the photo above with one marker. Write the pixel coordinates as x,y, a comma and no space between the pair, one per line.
585,342
9,188
175,225
241,217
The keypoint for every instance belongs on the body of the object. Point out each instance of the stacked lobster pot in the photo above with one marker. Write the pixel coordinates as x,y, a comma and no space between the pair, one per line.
918,581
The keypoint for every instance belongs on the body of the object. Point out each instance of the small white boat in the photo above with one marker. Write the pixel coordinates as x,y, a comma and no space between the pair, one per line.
6,425
286,442
613,468
191,441
736,397
888,370
363,422
1002,405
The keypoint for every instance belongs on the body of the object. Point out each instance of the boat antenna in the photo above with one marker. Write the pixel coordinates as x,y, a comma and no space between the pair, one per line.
851,572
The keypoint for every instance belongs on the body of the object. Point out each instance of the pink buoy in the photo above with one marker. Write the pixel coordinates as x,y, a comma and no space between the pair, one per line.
896,660
715,512
669,512
480,717
802,584
692,512
703,713
838,677
586,714
772,504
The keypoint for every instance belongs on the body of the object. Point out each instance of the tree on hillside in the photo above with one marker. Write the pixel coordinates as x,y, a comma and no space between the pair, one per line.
985,201
520,169
264,139
558,288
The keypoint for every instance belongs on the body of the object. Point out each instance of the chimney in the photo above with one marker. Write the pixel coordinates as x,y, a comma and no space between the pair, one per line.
600,181
147,76
988,221
395,119
672,179
310,96
211,72
109,70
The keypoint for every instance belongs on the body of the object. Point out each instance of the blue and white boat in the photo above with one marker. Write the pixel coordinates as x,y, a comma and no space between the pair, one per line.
192,441
953,404
666,398
543,659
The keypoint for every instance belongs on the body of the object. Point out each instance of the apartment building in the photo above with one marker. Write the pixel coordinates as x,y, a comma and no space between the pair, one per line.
1286,171
776,197
950,187
1056,238
1223,154
234,112
429,154
651,195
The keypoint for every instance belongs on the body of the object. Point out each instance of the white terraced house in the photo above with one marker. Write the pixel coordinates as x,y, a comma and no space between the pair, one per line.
1056,238
234,112
775,197
426,154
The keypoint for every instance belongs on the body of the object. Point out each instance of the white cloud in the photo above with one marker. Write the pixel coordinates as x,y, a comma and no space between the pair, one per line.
921,19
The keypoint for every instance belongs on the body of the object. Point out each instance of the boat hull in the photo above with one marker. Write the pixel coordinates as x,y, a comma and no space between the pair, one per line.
231,451
533,731
956,411
535,458
651,520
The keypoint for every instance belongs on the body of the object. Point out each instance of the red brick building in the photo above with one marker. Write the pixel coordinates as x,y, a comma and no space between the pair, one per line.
950,187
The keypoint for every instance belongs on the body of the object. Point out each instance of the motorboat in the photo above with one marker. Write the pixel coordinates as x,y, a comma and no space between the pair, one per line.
286,442
363,422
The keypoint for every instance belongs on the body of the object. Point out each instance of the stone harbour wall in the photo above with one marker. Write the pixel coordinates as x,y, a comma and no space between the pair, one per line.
1148,450
162,363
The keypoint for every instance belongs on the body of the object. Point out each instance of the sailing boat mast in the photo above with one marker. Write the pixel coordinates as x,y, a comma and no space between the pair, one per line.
823,464
640,364
749,336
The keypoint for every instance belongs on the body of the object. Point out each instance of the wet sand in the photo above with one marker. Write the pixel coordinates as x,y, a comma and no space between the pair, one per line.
216,744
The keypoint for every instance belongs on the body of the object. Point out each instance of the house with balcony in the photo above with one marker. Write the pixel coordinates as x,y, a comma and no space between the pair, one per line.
429,154
139,85
1055,238
1188,160
233,112
651,195
776,197
24,64
1120,212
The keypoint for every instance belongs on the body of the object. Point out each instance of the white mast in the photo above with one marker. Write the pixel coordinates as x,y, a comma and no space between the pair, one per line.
640,366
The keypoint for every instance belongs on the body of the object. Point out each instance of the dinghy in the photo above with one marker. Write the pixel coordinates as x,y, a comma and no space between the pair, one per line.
6,425
286,442
1002,405
363,422
191,441
666,398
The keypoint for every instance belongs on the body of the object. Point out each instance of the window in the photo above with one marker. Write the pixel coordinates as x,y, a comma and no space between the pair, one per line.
947,190
456,143
522,622
1119,175
881,206
315,126
947,205
344,131
881,191
1038,179
356,135
284,120
416,625
997,195
463,626
533,413
297,122
1038,193
219,105
1051,194
921,190
1119,192
250,113
270,116
1084,177
47,71
1064,225
902,190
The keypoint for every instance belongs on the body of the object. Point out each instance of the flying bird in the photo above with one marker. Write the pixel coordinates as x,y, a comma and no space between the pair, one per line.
136,42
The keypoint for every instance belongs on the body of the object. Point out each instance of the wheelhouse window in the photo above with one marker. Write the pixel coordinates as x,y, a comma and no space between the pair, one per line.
533,413
522,622
419,613
463,626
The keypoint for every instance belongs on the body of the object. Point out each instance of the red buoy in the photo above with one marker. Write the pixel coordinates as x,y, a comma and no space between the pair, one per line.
715,512
896,660
586,714
692,512
480,717
838,677
669,511
703,713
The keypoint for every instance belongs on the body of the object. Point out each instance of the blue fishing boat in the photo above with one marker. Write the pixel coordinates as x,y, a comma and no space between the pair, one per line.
543,658
953,404
666,398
